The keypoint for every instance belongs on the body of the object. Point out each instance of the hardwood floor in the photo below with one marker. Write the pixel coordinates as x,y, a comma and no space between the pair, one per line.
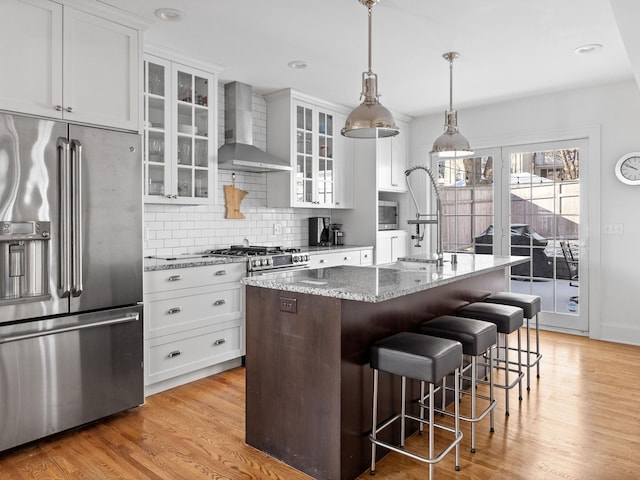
580,421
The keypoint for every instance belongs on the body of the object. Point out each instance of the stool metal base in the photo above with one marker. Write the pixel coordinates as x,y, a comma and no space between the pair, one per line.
432,458
473,418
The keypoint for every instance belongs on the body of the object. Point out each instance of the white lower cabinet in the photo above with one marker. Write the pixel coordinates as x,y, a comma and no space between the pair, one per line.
194,323
391,244
350,257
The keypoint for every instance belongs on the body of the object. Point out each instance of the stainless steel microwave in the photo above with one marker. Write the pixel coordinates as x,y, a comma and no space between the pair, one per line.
387,215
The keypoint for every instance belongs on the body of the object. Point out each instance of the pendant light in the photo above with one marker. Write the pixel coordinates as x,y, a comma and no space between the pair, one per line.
371,119
451,144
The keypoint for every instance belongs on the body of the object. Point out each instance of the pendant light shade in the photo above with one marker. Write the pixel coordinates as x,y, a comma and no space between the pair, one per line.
370,119
451,144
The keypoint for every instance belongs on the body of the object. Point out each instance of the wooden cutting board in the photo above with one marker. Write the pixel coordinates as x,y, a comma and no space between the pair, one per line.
232,197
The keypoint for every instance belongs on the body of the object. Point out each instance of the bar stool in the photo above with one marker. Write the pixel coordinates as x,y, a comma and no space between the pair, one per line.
530,305
507,319
477,337
424,358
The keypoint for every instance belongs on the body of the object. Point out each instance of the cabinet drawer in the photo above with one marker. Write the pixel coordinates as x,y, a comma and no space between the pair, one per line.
204,348
167,314
336,258
164,280
366,257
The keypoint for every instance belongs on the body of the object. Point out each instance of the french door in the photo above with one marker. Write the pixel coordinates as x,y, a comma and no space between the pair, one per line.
525,200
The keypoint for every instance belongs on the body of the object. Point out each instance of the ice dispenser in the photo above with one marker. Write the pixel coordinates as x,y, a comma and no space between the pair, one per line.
24,256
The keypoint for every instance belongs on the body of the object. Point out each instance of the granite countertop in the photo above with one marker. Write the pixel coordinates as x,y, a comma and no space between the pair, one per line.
152,264
381,282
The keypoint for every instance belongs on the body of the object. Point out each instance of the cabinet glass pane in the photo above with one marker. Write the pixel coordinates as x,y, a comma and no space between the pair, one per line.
300,118
155,113
156,84
185,119
201,96
300,142
185,186
155,147
184,150
330,125
308,197
201,153
308,114
155,185
201,121
184,87
308,144
202,184
329,152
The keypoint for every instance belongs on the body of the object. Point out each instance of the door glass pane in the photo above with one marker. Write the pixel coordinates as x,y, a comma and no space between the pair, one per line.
185,184
545,212
466,190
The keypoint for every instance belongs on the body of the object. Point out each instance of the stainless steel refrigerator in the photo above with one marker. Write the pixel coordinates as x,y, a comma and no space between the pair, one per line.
70,276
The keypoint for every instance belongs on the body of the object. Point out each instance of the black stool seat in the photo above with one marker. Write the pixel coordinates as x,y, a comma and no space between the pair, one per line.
530,304
507,318
476,336
417,356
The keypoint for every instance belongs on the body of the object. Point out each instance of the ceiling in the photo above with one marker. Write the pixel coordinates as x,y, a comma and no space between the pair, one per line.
508,48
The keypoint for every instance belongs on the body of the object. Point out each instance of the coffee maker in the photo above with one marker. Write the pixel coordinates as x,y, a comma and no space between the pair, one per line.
319,235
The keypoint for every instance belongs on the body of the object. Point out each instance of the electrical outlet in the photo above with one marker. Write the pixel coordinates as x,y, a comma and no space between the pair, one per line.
277,229
613,229
288,305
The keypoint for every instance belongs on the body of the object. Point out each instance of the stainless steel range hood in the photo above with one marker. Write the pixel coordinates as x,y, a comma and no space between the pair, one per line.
238,152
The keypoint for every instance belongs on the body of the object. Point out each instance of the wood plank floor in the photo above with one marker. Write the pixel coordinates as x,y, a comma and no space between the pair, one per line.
580,421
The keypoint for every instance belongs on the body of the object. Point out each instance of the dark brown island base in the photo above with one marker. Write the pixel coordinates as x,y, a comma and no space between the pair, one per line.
309,384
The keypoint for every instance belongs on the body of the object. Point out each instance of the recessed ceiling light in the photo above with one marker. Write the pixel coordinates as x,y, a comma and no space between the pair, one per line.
589,48
297,64
169,14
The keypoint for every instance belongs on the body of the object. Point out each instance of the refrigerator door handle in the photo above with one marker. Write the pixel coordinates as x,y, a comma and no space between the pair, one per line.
64,286
76,211
130,317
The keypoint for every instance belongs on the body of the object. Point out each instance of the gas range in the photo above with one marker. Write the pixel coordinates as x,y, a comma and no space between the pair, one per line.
265,259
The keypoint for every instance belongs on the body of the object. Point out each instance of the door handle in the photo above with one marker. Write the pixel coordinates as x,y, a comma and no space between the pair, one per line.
174,310
62,147
76,209
174,354
220,302
220,341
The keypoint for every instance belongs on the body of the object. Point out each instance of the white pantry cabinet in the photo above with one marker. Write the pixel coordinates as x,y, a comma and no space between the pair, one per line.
390,245
194,321
391,155
306,131
180,121
66,63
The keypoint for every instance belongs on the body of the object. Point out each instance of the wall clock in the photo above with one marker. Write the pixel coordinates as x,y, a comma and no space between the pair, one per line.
628,168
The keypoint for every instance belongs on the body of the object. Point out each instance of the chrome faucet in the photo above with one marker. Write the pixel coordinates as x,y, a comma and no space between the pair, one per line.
421,217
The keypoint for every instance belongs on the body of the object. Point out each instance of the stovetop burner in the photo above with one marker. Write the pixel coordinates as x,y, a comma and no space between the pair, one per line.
240,250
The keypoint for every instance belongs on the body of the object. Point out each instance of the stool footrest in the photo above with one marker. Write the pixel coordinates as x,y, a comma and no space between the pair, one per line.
410,454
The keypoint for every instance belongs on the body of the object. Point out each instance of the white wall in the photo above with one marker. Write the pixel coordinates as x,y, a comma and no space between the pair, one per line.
611,114
173,229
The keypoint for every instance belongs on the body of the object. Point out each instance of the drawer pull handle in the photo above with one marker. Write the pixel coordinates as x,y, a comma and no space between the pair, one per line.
174,310
175,278
323,261
347,258
174,354
220,341
217,303
219,273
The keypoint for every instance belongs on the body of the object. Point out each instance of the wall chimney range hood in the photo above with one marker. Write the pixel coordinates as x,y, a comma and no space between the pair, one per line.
238,152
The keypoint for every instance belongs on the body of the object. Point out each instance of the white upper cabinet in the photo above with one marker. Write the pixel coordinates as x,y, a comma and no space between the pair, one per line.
391,155
306,131
180,122
68,64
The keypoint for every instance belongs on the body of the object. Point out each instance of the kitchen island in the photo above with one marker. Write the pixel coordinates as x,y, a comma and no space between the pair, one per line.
308,396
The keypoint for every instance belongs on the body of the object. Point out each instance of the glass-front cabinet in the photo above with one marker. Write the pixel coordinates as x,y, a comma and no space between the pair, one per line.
179,129
309,134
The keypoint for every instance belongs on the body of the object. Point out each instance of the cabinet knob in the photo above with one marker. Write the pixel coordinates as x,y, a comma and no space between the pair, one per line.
174,310
174,354
69,109
323,261
217,303
220,341
175,278
58,108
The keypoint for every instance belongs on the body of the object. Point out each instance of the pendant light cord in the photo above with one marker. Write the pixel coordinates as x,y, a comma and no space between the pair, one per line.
450,83
370,9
